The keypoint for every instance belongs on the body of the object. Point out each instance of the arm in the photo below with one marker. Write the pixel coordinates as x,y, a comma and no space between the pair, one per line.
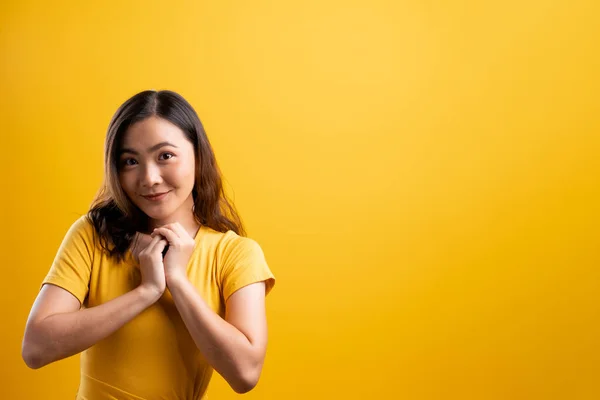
234,346
57,328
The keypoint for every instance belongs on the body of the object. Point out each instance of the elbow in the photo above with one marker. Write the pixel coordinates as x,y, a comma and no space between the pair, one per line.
33,352
33,359
246,381
243,386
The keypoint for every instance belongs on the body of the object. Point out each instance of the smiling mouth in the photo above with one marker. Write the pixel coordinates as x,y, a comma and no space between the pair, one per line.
156,197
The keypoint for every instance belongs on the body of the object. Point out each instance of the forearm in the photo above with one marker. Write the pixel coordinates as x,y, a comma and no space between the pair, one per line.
62,335
225,347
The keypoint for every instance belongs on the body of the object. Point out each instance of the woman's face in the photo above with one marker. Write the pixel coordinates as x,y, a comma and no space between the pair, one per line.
157,170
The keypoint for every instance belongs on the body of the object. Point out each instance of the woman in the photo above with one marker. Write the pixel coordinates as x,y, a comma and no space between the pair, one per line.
156,285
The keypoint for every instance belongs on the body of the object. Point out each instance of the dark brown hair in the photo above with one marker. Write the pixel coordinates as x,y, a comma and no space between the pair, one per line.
115,218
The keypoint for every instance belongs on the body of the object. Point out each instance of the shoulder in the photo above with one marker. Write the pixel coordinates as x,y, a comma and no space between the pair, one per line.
81,235
227,241
232,243
82,227
231,246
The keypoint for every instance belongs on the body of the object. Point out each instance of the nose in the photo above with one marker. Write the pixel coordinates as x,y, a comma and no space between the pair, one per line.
151,175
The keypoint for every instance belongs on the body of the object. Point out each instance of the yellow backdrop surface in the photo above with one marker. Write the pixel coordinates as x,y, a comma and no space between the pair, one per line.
422,176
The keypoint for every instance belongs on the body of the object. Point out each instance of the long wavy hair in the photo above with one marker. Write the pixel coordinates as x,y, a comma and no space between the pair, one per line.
115,217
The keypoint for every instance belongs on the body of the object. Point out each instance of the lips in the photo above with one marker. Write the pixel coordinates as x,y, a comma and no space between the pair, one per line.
155,196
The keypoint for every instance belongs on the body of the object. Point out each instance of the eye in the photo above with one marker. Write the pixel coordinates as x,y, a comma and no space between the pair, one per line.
128,162
166,156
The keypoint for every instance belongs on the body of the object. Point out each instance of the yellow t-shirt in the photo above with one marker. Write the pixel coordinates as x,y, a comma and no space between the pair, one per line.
153,356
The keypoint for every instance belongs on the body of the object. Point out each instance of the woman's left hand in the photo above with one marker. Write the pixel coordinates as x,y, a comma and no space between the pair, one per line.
181,246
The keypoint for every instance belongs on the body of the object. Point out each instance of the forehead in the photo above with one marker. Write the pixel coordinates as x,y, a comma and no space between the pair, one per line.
150,131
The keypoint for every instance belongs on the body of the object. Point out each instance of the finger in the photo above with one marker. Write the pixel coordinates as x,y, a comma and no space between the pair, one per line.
163,228
174,228
159,246
153,242
168,234
178,228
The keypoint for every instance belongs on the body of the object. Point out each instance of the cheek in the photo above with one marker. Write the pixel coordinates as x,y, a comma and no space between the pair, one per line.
126,183
184,174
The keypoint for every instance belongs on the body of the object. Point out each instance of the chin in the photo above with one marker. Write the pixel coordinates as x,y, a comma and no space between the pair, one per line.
157,212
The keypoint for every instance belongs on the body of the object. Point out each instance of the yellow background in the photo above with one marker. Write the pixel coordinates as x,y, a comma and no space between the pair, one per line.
422,176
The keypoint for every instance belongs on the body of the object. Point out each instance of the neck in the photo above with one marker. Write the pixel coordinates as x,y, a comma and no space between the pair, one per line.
185,216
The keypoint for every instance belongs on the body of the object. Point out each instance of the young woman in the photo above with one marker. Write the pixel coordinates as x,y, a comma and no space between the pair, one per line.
156,285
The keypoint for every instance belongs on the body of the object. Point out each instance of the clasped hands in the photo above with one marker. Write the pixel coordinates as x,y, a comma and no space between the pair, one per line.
157,271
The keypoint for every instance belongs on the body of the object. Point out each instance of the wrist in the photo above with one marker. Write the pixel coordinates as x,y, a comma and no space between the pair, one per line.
175,279
149,294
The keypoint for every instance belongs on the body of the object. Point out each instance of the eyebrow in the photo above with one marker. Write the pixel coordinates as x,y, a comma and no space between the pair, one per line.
151,149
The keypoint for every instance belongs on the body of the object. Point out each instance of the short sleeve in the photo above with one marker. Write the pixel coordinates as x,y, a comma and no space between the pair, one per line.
243,263
72,264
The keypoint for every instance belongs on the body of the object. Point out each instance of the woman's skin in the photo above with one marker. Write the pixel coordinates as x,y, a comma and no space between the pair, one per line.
157,158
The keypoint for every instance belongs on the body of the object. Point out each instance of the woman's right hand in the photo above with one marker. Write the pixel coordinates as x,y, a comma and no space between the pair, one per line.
151,265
